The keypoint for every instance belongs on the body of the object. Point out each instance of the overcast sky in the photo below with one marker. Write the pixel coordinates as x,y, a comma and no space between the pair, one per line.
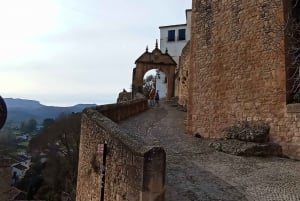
64,52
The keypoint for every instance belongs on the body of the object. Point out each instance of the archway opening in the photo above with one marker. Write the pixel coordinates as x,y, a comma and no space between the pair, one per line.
155,79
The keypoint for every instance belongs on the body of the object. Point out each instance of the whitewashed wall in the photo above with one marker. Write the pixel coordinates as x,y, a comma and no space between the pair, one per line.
174,47
161,86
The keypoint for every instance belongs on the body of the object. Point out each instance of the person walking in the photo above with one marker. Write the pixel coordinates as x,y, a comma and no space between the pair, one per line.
151,97
157,98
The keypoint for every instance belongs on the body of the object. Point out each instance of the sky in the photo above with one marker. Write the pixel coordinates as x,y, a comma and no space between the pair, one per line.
65,52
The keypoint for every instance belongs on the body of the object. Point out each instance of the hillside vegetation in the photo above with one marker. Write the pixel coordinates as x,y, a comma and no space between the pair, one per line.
20,110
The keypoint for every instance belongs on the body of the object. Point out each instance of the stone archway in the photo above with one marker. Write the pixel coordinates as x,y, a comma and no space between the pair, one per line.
154,60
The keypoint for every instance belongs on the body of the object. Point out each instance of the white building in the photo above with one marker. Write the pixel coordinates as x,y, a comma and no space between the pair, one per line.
19,169
161,84
174,37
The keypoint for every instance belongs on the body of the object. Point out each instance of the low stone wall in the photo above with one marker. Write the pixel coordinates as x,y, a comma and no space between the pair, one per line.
133,172
121,111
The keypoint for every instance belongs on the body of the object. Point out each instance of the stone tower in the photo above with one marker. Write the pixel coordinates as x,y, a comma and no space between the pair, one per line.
239,69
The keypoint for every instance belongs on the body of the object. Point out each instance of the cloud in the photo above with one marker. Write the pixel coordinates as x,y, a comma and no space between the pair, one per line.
80,50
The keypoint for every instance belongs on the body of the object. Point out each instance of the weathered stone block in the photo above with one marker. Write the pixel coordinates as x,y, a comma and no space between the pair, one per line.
248,131
240,148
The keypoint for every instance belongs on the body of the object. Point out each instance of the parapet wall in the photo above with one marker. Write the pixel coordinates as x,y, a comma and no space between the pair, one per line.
238,70
184,63
121,111
133,172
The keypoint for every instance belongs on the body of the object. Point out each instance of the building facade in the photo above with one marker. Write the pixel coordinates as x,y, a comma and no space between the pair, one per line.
161,83
174,37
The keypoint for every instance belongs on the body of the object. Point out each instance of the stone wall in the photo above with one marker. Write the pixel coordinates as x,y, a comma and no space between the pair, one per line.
182,79
121,111
124,96
238,70
133,172
176,84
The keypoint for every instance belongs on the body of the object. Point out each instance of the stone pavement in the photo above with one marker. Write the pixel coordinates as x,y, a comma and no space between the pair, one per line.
197,172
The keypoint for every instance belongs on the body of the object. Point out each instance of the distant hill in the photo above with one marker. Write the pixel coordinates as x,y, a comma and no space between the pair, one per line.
22,110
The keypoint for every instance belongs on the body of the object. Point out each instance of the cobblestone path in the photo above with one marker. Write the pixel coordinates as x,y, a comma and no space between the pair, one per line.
196,172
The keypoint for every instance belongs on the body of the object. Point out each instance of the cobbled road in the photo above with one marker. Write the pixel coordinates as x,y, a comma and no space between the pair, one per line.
197,172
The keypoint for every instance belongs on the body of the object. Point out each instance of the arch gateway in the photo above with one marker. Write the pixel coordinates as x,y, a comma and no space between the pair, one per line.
154,60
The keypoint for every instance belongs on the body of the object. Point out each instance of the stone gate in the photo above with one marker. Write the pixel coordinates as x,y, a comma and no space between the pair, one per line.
154,60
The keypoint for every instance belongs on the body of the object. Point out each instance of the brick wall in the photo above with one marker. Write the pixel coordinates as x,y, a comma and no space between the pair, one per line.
133,172
184,62
238,70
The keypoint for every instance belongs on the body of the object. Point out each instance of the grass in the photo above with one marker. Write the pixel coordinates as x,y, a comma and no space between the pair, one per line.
25,143
16,132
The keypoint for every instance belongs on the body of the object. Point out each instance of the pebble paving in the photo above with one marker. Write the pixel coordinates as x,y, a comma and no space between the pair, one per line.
195,172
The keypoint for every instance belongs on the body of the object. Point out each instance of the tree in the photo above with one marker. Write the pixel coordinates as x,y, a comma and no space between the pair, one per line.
60,141
29,126
47,123
7,142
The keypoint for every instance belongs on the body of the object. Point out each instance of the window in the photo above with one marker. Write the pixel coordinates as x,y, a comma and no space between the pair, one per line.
171,35
181,34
